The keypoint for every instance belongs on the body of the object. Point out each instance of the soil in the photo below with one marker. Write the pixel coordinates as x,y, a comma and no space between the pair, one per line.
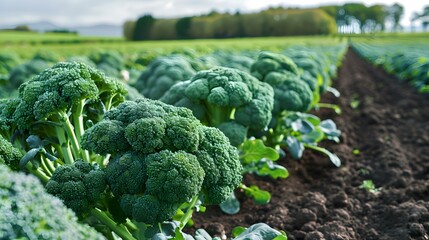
390,128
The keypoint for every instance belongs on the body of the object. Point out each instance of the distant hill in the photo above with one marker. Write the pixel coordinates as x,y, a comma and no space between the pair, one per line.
101,30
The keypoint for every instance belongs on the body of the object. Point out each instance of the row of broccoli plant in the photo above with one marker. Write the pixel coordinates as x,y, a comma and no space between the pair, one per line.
269,102
409,62
125,167
49,119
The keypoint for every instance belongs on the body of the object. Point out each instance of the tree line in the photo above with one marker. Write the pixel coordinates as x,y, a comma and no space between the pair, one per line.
275,21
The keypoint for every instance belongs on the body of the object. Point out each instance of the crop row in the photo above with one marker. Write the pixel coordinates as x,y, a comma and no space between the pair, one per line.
137,167
408,61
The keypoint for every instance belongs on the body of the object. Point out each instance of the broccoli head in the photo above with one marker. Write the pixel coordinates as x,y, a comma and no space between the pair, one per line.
163,73
224,94
61,88
291,93
268,62
80,186
7,125
28,212
167,158
9,155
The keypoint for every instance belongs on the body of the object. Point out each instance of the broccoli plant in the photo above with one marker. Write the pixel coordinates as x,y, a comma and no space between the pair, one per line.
291,127
56,105
162,73
229,99
28,212
161,158
298,131
258,159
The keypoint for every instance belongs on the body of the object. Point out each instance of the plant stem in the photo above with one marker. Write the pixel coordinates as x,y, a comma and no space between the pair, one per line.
188,215
79,126
45,168
119,230
64,146
70,132
36,172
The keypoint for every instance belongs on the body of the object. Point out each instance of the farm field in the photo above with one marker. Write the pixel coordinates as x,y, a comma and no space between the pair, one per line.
390,129
321,137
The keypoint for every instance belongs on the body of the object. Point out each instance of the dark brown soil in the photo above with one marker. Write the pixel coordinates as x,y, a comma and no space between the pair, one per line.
390,127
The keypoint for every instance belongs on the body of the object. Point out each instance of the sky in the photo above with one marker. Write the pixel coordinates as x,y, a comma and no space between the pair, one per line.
90,12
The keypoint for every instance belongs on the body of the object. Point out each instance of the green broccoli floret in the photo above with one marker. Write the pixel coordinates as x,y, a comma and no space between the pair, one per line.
56,104
224,94
163,73
28,212
127,173
290,92
170,159
268,62
8,127
235,132
80,186
9,155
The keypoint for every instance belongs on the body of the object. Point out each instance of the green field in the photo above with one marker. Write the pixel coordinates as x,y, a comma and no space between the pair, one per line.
27,44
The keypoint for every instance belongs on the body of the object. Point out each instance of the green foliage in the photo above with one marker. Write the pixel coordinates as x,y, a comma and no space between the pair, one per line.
297,131
369,186
28,212
165,158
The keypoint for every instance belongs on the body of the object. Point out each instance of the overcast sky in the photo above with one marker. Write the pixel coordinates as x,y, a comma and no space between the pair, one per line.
88,12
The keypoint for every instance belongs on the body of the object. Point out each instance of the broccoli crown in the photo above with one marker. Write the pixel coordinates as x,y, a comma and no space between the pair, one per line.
268,62
7,108
291,94
224,94
79,185
313,62
60,89
28,212
167,157
163,73
235,132
9,155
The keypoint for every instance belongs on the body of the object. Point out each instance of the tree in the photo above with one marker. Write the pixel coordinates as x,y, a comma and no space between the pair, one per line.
396,11
143,27
128,29
183,28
